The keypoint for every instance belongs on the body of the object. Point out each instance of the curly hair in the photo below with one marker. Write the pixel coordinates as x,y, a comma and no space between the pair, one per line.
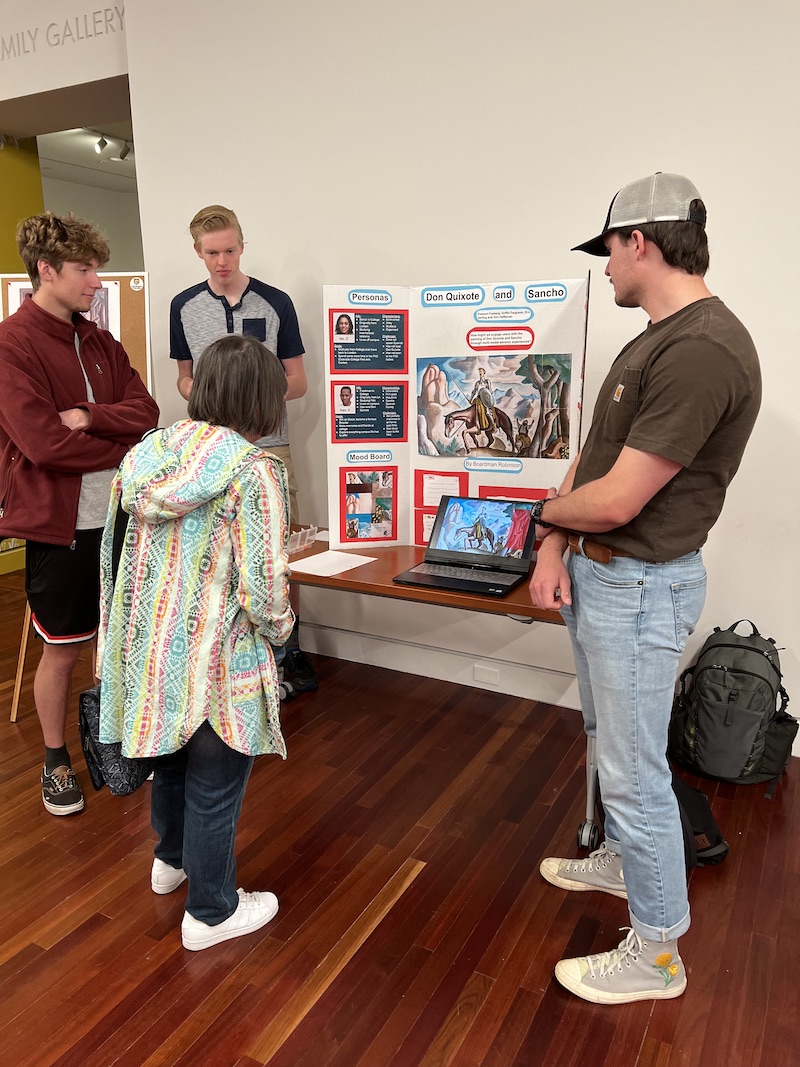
59,240
213,219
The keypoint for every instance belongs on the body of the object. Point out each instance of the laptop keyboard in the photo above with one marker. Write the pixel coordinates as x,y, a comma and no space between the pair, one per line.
468,574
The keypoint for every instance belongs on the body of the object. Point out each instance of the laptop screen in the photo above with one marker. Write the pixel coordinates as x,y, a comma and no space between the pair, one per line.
496,534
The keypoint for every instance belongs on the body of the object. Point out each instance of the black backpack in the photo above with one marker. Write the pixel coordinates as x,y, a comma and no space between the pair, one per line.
729,717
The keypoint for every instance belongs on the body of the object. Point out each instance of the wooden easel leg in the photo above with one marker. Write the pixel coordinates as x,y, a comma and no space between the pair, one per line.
23,648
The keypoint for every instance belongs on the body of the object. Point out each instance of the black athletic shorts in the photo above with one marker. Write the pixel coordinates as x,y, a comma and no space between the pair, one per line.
63,588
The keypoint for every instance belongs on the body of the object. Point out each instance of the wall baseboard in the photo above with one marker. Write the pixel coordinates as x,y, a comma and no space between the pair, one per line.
489,673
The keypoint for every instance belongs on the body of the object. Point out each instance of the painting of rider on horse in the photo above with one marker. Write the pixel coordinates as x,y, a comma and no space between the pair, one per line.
511,404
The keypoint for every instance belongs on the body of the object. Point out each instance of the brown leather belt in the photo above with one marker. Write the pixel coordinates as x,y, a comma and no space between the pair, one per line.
593,550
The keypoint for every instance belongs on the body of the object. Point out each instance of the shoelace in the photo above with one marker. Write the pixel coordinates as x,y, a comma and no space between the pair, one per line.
596,860
63,778
248,899
604,963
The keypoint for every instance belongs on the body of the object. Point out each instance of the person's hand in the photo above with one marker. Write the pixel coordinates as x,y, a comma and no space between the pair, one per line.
550,587
75,418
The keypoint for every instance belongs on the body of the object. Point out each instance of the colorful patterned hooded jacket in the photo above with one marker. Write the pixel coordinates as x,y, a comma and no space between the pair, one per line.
201,592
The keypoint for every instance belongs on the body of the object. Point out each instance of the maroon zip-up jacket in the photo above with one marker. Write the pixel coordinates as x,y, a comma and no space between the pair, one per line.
41,460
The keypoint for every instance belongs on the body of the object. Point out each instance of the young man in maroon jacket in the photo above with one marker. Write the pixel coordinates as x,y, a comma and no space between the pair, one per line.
70,407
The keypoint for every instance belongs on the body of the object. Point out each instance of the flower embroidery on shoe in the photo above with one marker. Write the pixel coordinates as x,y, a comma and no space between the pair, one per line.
666,967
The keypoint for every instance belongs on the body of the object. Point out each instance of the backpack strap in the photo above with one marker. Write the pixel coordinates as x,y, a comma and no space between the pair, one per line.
755,632
683,679
784,699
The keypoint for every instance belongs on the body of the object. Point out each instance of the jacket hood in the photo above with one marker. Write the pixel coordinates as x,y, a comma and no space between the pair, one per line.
176,470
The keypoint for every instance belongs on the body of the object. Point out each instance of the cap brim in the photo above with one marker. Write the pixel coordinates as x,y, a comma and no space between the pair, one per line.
595,247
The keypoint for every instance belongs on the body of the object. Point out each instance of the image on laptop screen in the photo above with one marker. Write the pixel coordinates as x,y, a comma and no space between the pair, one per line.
488,532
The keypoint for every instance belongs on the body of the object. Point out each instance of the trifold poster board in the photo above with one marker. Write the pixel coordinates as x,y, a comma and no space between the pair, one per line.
121,307
465,390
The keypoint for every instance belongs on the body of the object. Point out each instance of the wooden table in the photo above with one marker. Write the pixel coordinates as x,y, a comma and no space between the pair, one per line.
375,579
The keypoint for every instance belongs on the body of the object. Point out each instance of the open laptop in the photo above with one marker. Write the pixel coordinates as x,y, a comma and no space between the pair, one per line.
476,546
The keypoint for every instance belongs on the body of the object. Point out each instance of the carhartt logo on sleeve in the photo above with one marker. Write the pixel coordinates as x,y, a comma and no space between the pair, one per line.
618,392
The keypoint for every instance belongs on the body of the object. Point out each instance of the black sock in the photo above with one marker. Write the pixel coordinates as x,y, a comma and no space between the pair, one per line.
55,757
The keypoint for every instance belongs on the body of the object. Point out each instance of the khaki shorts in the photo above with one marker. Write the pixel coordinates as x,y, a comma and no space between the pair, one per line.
282,452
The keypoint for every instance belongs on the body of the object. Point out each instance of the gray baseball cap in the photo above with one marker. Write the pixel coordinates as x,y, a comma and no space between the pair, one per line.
657,198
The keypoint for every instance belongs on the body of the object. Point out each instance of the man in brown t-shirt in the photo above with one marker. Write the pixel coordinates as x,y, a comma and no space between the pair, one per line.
668,432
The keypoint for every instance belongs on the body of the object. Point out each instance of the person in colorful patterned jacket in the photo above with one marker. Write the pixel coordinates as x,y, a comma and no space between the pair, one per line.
188,628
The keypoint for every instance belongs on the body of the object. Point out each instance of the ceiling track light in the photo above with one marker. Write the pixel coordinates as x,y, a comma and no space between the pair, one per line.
124,151
101,145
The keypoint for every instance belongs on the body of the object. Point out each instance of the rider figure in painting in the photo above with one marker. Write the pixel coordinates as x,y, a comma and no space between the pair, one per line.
482,400
480,531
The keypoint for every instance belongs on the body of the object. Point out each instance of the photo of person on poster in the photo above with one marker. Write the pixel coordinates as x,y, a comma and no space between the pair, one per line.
344,328
345,400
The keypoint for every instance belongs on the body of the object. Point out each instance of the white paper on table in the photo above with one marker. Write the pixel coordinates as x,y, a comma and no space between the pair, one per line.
328,563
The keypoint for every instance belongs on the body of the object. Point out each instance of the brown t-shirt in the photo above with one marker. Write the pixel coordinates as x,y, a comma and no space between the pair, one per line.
687,389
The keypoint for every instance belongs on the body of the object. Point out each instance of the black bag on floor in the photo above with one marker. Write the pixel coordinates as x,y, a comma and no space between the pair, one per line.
729,718
703,843
105,763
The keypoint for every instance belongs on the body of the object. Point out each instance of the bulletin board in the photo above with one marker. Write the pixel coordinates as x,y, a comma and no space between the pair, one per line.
123,308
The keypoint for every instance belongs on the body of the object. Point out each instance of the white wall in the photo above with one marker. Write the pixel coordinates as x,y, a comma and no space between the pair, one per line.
117,215
458,141
438,141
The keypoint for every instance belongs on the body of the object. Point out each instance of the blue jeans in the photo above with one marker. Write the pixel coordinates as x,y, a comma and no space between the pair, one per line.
194,808
629,622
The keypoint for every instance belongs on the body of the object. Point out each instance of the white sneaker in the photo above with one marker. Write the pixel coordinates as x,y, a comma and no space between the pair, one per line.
165,879
255,910
601,869
636,970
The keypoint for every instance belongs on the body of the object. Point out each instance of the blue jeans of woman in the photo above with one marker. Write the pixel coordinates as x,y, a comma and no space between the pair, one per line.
194,808
629,622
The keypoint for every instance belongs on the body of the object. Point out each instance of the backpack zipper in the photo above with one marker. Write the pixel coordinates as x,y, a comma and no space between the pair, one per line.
737,670
757,651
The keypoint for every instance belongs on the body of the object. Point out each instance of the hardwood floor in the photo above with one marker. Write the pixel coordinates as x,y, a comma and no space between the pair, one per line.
403,838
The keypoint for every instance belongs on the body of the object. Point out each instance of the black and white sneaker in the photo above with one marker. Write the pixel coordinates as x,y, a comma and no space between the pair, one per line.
299,671
61,794
285,688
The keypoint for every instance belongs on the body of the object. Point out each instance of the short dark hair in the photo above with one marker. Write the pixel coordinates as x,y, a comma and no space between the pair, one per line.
239,383
684,245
